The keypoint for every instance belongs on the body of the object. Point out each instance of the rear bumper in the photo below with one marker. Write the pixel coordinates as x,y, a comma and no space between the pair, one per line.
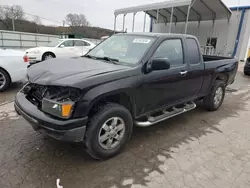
66,130
33,58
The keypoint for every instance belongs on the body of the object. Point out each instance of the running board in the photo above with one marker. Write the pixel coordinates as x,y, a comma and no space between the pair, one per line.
166,114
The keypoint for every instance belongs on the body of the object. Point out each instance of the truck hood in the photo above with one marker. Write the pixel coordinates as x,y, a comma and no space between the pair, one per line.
70,72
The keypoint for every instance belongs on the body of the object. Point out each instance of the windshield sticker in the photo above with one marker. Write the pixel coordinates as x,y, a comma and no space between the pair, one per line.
142,41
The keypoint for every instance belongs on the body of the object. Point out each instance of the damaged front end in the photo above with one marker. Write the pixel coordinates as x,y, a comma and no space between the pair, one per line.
57,101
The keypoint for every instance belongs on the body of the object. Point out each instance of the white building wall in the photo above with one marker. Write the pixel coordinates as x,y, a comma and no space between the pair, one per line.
245,36
224,31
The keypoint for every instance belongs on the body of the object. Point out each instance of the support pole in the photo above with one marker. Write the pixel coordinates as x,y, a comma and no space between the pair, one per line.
157,16
63,30
198,31
171,19
186,25
133,26
212,32
144,24
13,24
123,25
13,21
115,23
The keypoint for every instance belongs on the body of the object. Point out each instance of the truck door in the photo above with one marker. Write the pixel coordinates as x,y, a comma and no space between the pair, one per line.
196,67
166,87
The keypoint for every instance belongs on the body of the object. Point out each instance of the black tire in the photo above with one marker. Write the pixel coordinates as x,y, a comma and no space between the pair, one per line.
47,54
7,79
209,102
104,113
246,73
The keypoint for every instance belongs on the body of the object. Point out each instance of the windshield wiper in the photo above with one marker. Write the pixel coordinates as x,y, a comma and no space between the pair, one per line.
112,60
89,56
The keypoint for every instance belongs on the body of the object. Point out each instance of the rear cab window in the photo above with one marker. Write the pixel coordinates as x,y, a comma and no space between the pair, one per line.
193,51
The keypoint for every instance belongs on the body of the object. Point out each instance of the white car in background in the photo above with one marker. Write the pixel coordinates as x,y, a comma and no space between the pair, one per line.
12,67
60,48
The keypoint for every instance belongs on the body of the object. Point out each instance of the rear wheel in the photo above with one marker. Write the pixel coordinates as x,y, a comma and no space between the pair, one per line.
4,80
214,100
108,131
48,55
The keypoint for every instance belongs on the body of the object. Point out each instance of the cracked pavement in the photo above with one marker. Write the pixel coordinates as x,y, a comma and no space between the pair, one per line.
198,149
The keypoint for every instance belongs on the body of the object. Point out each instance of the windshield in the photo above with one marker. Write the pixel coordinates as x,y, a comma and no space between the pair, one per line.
54,43
127,49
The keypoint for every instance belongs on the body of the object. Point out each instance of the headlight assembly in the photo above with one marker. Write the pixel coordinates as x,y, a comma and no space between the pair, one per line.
58,109
35,52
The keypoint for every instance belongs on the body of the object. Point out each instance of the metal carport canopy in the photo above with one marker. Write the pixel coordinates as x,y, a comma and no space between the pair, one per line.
200,10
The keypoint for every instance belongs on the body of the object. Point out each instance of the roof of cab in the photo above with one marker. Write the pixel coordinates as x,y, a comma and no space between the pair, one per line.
156,34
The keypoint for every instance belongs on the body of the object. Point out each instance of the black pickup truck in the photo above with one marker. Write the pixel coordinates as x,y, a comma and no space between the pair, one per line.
135,79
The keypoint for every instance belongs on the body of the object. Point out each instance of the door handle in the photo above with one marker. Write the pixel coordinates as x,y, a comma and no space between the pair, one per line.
183,73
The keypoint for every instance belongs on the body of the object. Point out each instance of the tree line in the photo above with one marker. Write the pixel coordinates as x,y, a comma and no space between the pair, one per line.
14,18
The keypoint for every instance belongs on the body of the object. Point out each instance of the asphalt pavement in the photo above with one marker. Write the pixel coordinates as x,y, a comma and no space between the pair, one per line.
9,95
198,149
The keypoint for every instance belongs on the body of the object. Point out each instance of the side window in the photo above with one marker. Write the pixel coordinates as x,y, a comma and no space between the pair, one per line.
68,43
171,49
78,43
86,44
193,51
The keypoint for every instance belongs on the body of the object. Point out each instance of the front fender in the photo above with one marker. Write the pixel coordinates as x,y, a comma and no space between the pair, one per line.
93,95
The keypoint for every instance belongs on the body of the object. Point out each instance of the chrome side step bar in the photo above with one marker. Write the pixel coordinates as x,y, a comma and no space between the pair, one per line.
166,114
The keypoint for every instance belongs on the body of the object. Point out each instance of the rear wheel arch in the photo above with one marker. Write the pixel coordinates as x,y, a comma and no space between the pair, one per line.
208,100
222,77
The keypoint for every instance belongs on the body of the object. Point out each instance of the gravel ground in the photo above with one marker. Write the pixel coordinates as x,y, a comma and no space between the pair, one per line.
198,149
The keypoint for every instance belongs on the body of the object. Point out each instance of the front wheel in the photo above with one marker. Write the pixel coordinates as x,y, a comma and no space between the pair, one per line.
246,73
214,100
108,131
47,56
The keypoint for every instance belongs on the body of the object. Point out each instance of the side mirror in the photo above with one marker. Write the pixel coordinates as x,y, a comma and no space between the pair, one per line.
62,46
158,64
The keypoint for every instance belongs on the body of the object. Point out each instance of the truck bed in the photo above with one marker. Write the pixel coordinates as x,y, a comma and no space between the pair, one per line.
207,58
222,65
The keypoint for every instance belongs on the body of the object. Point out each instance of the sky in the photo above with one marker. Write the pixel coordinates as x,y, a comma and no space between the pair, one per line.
100,13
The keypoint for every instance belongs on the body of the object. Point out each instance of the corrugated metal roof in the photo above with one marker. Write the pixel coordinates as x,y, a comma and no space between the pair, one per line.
240,7
154,6
201,10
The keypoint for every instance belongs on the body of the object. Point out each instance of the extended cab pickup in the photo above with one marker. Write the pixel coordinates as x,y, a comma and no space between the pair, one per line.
129,79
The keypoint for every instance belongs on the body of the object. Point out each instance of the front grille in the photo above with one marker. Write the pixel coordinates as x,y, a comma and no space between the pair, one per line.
35,93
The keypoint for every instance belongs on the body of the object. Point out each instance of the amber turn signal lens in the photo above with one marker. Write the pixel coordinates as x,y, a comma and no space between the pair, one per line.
66,110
